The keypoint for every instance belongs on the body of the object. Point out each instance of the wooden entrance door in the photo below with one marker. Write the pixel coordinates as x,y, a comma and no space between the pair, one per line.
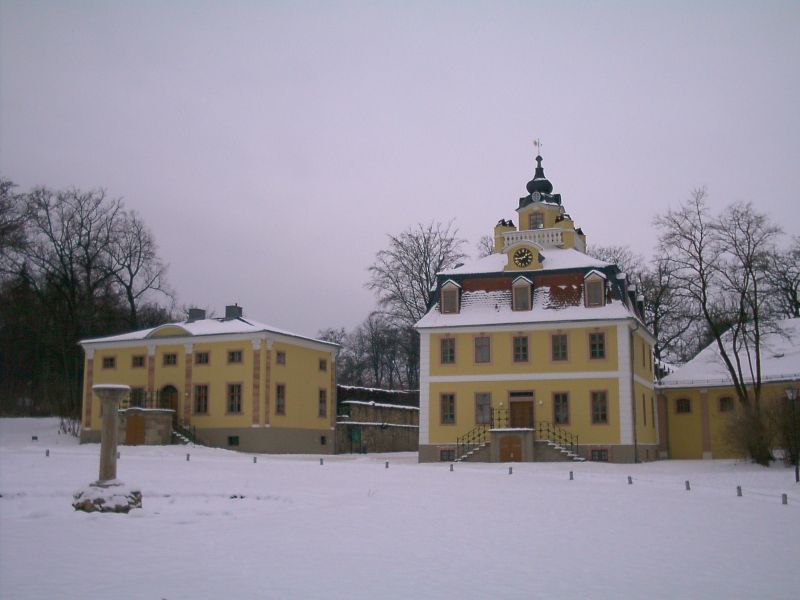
522,414
134,431
510,448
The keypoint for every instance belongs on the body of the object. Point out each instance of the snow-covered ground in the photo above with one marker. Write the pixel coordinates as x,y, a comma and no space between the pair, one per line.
221,526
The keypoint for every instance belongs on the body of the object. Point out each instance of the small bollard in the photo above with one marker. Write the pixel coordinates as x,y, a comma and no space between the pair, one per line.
688,487
387,464
47,452
630,480
739,491
510,470
785,499
187,457
117,455
451,467
321,461
255,459
571,476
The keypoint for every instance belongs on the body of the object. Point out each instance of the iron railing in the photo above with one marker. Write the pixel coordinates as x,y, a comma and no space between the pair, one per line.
501,418
190,432
472,440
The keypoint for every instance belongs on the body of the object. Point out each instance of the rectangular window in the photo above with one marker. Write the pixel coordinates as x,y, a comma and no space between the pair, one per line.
561,408
483,349
644,410
233,440
599,455
448,408
522,297
201,358
137,362
109,362
726,404
536,220
599,408
594,293
234,356
323,364
597,345
323,403
449,301
521,348
234,398
280,399
447,347
447,454
559,346
483,409
137,397
201,399
170,359
280,357
683,405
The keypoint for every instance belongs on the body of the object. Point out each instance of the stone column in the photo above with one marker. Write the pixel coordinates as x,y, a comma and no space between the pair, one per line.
110,396
256,381
87,395
187,387
705,425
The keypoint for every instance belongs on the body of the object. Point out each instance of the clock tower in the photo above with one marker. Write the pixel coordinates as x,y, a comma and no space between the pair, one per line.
543,223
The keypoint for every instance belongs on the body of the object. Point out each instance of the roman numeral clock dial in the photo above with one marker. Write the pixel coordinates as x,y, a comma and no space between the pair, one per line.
523,257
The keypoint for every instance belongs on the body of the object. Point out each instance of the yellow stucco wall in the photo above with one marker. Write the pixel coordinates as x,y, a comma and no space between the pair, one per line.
579,406
686,429
539,350
301,375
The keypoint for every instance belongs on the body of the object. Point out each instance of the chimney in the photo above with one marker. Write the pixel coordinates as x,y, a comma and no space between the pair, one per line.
233,312
196,314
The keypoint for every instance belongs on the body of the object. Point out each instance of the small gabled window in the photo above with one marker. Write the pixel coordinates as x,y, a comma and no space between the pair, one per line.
521,294
594,289
449,298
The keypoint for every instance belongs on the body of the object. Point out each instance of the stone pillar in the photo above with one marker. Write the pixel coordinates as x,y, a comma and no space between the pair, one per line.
110,396
267,380
663,426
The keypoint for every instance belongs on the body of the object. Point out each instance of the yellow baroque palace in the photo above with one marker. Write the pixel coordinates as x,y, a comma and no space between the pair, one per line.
537,351
228,382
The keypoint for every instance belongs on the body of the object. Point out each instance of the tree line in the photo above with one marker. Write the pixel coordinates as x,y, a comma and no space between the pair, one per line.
73,265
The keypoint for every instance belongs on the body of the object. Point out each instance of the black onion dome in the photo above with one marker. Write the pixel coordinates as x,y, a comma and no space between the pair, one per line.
539,183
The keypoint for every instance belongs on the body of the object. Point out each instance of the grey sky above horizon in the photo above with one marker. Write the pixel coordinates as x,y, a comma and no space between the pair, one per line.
271,147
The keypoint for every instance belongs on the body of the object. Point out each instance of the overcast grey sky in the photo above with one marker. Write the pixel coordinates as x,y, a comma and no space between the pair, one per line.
272,146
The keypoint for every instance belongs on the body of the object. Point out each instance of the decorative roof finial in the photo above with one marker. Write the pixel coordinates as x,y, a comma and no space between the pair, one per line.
539,183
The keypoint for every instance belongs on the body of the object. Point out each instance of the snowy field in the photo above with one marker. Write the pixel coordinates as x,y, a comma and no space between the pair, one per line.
220,526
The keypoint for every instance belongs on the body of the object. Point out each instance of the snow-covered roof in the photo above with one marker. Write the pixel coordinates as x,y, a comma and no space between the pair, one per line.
203,327
552,259
780,361
494,308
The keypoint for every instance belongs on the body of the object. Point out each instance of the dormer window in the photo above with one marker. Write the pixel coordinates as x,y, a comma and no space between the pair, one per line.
521,294
594,289
449,298
536,220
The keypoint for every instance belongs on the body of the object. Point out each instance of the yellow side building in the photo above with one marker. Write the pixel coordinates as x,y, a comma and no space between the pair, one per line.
697,401
233,382
537,351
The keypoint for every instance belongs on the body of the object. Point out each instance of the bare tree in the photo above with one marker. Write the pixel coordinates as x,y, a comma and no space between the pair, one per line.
134,263
12,225
485,246
719,267
783,276
629,262
403,275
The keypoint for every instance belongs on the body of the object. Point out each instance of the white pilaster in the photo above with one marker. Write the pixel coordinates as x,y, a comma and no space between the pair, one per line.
624,368
424,386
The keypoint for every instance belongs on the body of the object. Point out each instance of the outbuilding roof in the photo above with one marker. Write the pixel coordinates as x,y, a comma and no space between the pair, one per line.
780,360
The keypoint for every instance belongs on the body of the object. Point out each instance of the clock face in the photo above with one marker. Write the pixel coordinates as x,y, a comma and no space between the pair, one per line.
523,257
536,196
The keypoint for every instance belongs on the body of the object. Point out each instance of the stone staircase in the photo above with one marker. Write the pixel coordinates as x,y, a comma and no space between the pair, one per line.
550,451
